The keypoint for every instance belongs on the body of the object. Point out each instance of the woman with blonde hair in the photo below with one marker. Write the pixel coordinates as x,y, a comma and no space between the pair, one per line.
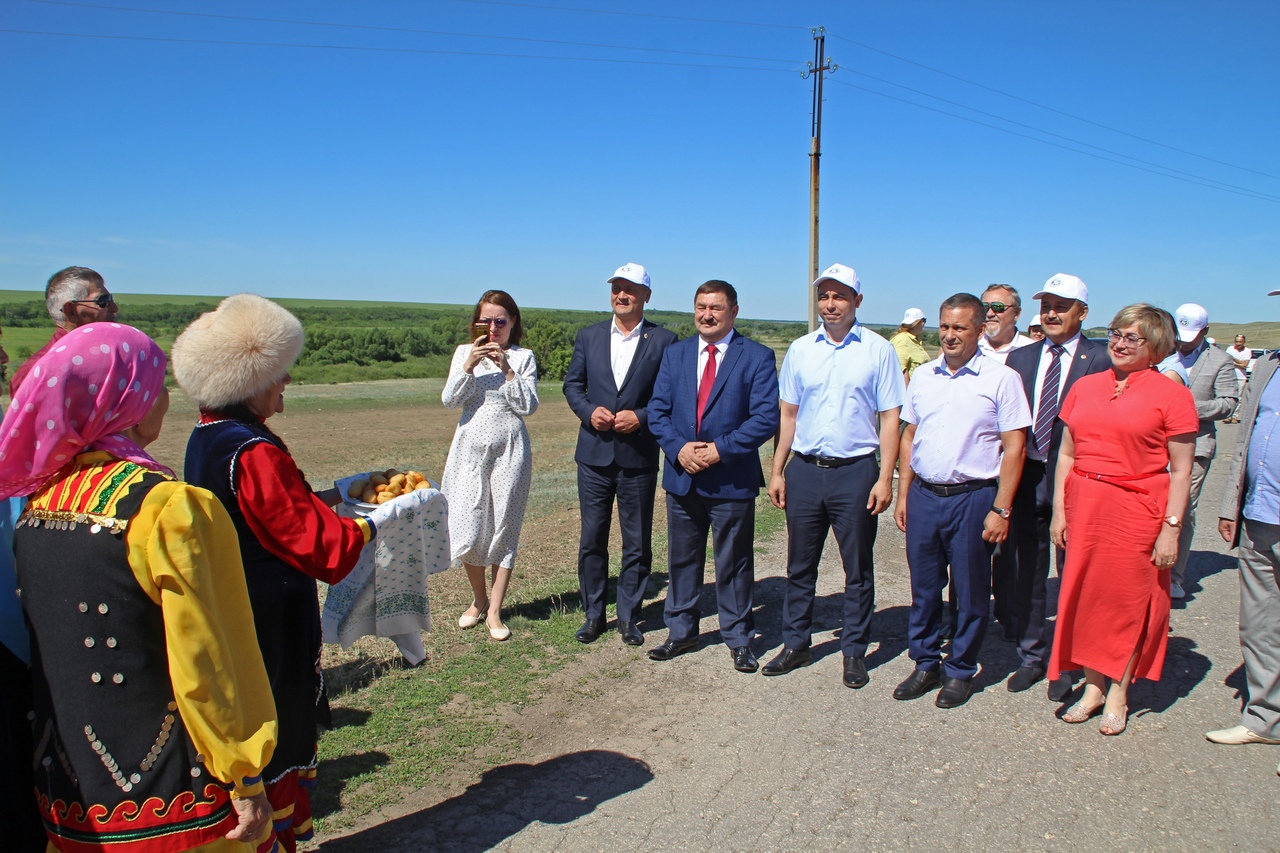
487,476
1123,478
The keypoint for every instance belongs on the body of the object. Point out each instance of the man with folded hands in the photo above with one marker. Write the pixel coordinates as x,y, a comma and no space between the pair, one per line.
966,418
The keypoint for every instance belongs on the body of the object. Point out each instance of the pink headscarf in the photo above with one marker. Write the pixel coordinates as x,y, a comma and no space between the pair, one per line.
102,378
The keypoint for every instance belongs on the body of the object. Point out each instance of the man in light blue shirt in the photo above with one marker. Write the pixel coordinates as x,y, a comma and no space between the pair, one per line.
841,388
1250,518
966,418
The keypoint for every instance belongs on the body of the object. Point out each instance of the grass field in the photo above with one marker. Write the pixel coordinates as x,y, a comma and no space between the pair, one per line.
458,715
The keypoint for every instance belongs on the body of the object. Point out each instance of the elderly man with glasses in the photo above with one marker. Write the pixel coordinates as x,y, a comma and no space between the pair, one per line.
1003,307
74,297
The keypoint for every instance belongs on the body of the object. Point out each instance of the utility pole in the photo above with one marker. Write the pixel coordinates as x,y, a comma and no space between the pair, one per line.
816,69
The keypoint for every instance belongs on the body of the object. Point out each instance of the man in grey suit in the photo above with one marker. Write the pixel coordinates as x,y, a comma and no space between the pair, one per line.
1250,518
1211,376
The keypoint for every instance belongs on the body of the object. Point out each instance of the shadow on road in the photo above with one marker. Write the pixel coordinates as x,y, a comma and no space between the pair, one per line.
1203,564
326,798
505,801
1184,668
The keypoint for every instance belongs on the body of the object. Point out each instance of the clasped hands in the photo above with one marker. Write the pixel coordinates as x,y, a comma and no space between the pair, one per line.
603,420
698,456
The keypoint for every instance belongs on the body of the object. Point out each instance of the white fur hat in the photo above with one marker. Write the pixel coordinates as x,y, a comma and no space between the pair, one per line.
236,351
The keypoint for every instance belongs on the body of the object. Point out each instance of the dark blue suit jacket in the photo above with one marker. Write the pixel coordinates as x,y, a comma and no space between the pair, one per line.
741,415
1091,357
589,383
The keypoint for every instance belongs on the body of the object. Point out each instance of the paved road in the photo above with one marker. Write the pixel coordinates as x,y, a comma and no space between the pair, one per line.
692,756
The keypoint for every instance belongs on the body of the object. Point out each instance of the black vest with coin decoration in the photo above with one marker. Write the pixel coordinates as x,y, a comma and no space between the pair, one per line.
115,769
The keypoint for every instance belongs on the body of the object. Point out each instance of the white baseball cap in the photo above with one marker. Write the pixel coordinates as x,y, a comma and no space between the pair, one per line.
633,273
1273,293
912,316
1035,321
1191,318
840,274
1066,286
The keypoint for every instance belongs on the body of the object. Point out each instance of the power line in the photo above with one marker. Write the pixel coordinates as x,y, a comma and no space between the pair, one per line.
1051,109
1247,193
1042,130
418,50
412,30
546,7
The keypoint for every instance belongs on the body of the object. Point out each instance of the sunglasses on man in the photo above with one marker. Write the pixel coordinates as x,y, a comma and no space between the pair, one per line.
102,300
996,307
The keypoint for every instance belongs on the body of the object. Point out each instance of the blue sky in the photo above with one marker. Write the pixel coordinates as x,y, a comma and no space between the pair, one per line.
401,174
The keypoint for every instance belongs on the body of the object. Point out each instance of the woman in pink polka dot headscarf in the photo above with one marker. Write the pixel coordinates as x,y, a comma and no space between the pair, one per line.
85,394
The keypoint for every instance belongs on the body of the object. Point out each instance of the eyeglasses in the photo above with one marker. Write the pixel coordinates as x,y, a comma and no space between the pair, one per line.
500,322
1131,339
996,307
103,300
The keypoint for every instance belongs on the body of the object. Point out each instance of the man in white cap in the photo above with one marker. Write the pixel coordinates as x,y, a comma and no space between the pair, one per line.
1048,369
608,386
906,342
1250,519
1212,379
841,389
1003,307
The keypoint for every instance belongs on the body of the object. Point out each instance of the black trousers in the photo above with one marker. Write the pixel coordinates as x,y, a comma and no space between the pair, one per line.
819,500
634,490
1029,548
732,526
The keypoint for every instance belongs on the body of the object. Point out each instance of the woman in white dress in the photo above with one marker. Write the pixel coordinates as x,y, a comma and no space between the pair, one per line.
486,479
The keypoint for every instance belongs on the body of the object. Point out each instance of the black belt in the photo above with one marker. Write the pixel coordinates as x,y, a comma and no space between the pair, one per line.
946,490
832,461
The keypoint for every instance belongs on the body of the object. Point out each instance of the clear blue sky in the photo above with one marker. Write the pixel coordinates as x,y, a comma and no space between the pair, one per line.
440,165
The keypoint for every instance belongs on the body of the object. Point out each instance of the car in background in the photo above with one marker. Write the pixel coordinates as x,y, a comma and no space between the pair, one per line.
1256,354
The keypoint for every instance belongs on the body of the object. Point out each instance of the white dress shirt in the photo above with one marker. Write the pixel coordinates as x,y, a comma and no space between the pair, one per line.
1064,361
622,350
1001,353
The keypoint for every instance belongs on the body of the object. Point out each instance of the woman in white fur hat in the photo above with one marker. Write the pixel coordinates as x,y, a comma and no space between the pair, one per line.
234,364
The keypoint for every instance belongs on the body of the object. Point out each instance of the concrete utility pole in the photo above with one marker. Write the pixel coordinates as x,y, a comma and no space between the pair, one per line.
816,69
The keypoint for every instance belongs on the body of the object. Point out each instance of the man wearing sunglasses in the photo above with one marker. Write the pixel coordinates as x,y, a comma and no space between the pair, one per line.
74,297
1003,307
1048,369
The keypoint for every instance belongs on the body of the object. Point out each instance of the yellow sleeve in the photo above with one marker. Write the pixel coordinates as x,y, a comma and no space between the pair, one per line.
185,554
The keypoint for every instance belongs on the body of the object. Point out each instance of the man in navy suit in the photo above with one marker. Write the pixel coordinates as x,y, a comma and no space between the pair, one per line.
1048,369
714,404
608,386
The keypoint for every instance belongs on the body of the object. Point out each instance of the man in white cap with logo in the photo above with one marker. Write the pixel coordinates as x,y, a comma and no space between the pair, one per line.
841,389
608,386
1250,520
1212,379
1048,369
1003,307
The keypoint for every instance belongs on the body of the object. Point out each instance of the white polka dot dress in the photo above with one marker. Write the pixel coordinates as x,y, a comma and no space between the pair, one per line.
486,479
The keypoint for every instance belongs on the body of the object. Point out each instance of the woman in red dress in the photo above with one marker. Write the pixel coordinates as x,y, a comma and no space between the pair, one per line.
1123,476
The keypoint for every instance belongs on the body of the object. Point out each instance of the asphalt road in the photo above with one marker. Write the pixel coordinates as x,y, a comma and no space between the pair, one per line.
691,756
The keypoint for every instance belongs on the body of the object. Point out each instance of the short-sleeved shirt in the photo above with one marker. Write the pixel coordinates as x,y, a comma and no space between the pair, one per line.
959,417
1127,435
840,387
911,353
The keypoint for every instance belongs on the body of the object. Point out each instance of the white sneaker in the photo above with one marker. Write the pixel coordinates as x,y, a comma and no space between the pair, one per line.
1237,735
1176,591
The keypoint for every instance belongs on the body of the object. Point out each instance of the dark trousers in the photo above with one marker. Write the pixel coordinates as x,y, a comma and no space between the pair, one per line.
732,525
819,500
20,824
1029,546
942,531
634,489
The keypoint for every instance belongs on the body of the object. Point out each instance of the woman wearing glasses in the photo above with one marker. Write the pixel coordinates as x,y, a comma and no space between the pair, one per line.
1124,472
486,479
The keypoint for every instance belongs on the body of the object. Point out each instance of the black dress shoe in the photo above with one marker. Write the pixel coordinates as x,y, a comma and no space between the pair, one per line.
630,634
743,660
1024,678
954,693
672,648
787,660
590,631
855,673
1060,688
917,684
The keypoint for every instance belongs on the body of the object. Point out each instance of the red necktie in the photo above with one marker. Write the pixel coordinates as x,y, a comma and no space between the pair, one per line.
708,379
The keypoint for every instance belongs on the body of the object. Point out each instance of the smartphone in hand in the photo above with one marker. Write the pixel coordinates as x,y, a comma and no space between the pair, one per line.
481,330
